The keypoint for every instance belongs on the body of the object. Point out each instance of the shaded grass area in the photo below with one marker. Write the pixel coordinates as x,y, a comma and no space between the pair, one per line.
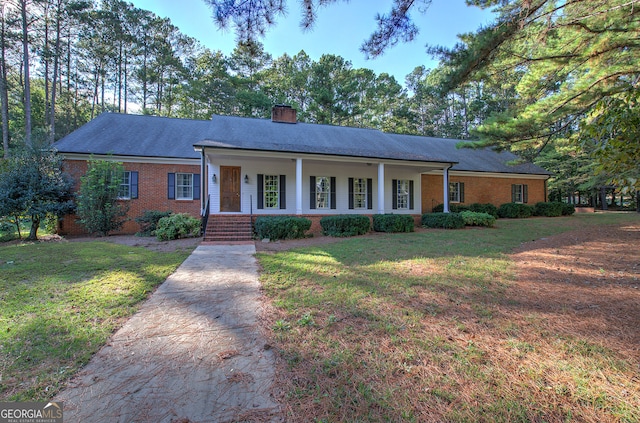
413,327
60,303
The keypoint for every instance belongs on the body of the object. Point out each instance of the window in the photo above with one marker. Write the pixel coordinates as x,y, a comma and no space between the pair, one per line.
183,186
360,193
272,191
456,192
322,192
402,192
519,193
128,185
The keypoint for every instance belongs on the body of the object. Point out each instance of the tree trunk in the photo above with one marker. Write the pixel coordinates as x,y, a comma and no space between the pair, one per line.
27,84
603,198
4,96
35,224
56,61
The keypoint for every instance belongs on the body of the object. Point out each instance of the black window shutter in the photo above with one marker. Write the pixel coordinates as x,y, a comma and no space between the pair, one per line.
312,193
410,195
525,193
370,193
260,191
513,193
134,184
394,194
196,186
351,206
283,192
333,192
461,190
171,187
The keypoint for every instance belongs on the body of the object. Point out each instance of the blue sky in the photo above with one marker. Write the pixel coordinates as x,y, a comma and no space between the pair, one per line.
340,29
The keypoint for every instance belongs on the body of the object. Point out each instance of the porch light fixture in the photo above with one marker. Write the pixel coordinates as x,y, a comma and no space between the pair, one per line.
246,179
214,179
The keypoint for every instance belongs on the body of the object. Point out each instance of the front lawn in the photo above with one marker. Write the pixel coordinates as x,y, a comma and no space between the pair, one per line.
60,303
428,326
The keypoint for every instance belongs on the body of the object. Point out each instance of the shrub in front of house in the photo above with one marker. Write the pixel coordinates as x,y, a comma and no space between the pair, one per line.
443,220
393,223
455,208
179,225
515,211
281,227
548,209
345,225
149,221
568,209
484,208
478,219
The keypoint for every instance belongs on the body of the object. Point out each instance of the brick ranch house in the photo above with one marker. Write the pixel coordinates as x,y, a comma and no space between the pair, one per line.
234,169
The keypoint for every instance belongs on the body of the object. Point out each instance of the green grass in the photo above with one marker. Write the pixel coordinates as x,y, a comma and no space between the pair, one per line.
410,327
60,303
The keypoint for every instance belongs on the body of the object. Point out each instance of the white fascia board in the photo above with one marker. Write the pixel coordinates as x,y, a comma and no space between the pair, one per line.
130,159
490,174
225,152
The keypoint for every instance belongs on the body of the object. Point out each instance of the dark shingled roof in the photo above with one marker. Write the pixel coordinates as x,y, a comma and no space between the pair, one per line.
153,136
474,159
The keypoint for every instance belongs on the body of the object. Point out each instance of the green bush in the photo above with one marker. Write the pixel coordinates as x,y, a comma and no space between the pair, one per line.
393,223
478,219
345,225
443,220
568,209
484,208
549,209
149,221
179,225
281,227
454,208
515,210
98,207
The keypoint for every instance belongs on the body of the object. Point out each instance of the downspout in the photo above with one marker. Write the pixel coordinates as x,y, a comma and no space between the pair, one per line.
203,182
445,182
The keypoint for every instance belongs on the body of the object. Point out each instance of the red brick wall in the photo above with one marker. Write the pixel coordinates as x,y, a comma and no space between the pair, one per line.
478,189
152,193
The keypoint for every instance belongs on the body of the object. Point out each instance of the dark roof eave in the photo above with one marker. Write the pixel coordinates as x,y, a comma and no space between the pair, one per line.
84,153
204,145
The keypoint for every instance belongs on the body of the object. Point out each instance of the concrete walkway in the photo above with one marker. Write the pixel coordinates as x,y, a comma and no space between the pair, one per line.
193,353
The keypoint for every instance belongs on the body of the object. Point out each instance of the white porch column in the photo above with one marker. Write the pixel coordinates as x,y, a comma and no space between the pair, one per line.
298,186
380,188
445,179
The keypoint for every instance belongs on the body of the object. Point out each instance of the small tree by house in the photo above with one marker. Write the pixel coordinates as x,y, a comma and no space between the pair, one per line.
98,207
33,185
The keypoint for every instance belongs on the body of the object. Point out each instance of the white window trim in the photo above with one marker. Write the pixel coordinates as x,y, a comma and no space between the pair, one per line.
403,194
363,186
327,206
454,188
179,186
519,192
265,192
123,184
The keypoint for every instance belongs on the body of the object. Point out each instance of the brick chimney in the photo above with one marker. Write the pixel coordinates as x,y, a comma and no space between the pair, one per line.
283,113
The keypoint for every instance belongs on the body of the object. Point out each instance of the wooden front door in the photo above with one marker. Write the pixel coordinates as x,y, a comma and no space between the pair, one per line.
229,189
